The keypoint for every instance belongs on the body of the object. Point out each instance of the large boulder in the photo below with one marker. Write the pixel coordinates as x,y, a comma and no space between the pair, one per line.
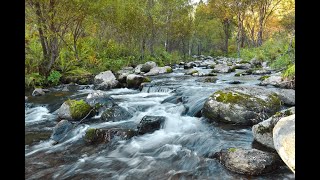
284,140
146,67
137,69
191,71
115,113
262,132
105,80
61,130
248,161
96,136
134,81
189,65
256,62
287,96
223,68
243,105
123,73
149,124
39,92
73,110
159,70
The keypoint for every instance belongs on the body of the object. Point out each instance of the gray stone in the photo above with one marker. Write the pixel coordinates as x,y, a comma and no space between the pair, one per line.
243,66
115,113
284,140
137,69
159,70
146,67
261,72
222,68
149,124
287,96
262,132
248,161
244,105
134,81
96,136
61,130
39,92
105,80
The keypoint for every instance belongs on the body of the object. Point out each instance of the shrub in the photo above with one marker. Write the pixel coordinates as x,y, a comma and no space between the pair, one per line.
54,78
34,80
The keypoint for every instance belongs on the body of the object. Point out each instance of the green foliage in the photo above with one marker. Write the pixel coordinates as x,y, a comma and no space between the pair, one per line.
232,149
54,77
289,72
34,80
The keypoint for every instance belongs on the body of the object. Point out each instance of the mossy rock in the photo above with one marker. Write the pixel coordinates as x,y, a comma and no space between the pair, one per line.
263,77
241,105
169,70
78,109
146,79
212,66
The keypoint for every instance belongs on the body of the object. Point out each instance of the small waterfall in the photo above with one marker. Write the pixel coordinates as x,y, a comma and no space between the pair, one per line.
156,89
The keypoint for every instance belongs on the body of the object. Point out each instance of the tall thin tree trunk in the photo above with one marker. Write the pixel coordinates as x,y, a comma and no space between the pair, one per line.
226,25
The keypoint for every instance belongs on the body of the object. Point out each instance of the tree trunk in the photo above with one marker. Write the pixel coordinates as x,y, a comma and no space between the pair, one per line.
260,31
226,24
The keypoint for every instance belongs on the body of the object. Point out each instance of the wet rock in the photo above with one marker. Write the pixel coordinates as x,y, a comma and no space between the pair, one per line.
244,105
146,67
222,68
61,130
261,72
234,82
115,113
262,132
189,65
243,66
32,137
96,136
39,92
248,161
149,124
256,63
284,140
159,70
105,80
277,81
137,69
123,73
134,81
73,110
191,71
287,96
210,79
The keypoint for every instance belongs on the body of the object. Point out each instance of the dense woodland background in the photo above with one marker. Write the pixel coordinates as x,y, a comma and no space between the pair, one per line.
84,37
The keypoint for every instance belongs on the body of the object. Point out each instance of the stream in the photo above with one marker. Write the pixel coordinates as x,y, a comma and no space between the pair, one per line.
177,151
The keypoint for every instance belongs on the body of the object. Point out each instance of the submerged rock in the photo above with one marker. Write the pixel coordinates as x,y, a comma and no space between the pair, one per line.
39,92
96,136
36,136
61,130
248,161
284,140
261,72
262,132
115,113
105,80
73,110
149,124
241,105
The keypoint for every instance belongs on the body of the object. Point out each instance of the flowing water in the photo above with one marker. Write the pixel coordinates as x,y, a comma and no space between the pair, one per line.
177,151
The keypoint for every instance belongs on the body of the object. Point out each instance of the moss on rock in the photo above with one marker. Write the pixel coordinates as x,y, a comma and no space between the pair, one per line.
169,70
263,77
90,135
78,109
232,149
146,79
